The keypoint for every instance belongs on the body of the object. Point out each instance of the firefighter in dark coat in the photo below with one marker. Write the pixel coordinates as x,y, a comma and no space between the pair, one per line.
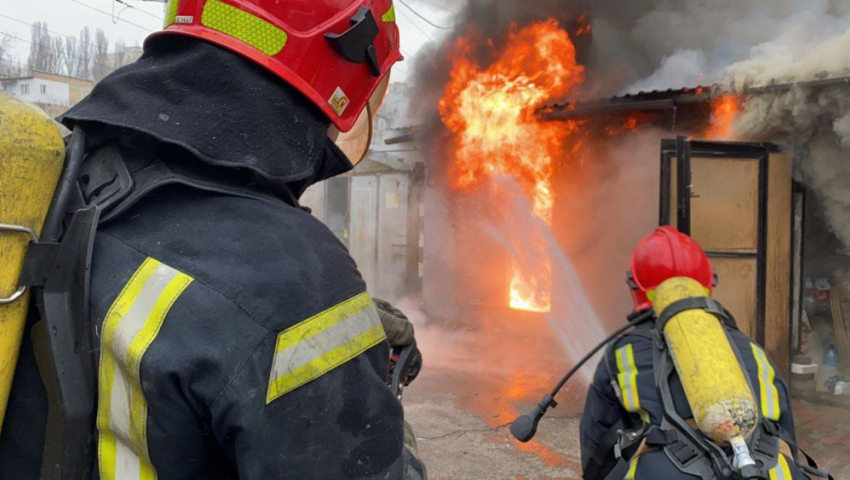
626,432
233,335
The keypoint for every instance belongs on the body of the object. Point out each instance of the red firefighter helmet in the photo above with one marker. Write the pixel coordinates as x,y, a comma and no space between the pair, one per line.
337,53
666,253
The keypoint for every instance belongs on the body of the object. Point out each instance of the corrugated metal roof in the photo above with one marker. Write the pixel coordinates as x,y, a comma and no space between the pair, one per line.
651,95
662,99
658,98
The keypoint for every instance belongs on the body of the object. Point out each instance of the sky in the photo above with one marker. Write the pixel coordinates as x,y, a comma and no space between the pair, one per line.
133,20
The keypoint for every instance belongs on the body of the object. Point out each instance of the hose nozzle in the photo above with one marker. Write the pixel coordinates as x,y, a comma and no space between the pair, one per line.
525,427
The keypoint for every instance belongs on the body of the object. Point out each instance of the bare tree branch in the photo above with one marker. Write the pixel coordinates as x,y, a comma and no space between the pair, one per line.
46,52
101,57
9,66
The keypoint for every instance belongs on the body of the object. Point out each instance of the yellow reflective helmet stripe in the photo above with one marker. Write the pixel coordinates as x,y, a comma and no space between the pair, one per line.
630,475
627,380
389,17
323,342
130,326
170,12
781,470
243,26
767,388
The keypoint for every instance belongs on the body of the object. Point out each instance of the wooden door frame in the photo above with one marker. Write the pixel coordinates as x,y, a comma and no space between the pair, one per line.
684,150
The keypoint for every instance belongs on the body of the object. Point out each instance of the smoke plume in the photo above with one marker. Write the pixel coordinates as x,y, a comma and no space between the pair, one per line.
812,122
658,44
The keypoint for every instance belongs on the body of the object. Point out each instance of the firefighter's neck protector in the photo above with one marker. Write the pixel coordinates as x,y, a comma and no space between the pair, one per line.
224,109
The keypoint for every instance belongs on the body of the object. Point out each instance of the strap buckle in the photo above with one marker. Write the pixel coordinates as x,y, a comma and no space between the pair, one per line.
104,179
21,290
626,439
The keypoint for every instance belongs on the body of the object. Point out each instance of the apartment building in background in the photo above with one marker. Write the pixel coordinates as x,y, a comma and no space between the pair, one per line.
52,93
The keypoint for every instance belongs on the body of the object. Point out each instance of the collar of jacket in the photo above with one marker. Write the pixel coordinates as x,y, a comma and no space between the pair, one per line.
221,108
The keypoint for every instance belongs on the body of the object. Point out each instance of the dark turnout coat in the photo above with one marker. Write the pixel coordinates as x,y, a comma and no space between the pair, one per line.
233,334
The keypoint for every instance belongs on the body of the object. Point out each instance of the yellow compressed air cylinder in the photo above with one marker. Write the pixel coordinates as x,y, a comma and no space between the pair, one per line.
31,157
717,390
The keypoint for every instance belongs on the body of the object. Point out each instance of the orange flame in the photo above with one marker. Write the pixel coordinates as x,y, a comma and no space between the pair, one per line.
630,124
725,110
490,111
584,25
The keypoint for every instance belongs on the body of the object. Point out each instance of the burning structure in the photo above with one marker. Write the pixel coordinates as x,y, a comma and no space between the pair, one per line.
531,217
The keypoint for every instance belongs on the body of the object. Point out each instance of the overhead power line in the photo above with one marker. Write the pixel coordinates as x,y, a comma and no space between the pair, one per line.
122,2
416,25
78,57
436,5
424,18
104,12
31,25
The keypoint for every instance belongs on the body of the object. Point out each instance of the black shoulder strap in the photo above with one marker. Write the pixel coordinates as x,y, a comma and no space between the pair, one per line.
810,467
63,347
708,304
114,178
690,451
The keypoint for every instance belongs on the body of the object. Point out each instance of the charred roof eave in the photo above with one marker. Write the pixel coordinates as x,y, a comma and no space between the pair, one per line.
665,100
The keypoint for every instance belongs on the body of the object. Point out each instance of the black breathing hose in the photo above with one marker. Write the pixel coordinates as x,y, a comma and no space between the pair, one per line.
52,228
525,426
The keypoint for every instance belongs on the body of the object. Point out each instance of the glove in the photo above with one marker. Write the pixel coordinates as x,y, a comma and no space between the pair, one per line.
397,326
400,332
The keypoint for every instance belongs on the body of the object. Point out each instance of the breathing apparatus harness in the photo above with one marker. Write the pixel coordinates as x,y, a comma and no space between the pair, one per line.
95,188
92,189
691,451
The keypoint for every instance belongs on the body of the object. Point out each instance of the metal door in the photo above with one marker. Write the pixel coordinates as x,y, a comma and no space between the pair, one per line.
392,236
364,226
378,227
717,193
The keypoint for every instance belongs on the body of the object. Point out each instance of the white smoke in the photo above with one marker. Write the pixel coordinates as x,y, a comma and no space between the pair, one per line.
812,122
774,38
788,60
684,67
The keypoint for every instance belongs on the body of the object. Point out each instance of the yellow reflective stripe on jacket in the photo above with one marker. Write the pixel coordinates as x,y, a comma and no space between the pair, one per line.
627,379
781,470
323,342
130,326
630,475
767,388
